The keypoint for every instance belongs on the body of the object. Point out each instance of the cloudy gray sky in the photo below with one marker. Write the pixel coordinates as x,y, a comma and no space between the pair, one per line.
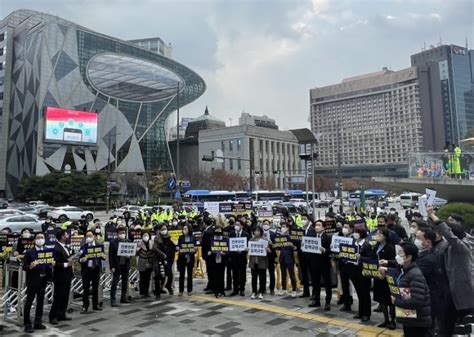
264,56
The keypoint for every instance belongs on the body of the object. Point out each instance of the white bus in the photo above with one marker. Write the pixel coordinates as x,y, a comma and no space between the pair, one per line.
409,199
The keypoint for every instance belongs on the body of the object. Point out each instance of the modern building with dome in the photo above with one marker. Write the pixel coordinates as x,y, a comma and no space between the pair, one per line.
74,98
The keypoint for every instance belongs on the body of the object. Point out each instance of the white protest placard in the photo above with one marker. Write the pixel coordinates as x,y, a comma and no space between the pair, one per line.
127,249
310,244
212,207
336,240
422,201
431,194
237,244
276,221
258,248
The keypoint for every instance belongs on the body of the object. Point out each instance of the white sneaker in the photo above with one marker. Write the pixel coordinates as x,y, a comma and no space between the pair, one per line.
293,294
254,296
280,293
260,296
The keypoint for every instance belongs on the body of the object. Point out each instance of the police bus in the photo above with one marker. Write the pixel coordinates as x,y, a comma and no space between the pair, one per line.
371,196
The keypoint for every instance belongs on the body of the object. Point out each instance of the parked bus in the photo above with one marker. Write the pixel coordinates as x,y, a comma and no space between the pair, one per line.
409,199
206,195
371,197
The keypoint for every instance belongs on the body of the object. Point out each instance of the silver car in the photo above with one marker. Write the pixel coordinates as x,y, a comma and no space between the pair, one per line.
15,223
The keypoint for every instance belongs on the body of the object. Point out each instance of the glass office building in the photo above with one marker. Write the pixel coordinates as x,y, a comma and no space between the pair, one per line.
50,62
456,68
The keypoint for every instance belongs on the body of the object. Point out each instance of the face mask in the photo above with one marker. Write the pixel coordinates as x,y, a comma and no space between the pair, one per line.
266,227
305,222
89,239
418,244
26,235
97,230
237,228
146,238
379,238
121,236
356,236
185,232
39,242
412,230
175,223
164,232
345,231
284,230
318,229
400,260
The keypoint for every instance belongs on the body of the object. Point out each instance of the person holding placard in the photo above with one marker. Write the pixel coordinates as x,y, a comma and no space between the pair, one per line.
217,256
186,248
287,259
258,266
239,262
119,267
321,268
361,283
269,235
384,250
145,264
38,270
207,235
62,278
345,270
296,233
91,266
166,245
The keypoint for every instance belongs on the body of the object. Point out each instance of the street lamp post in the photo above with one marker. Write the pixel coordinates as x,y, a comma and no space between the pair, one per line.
177,136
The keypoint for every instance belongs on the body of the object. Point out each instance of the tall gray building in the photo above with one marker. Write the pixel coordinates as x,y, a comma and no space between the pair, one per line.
456,68
72,97
376,120
155,45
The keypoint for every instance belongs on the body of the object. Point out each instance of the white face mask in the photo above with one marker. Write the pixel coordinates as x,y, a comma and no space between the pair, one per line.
175,223
412,230
39,242
121,236
89,239
356,236
146,238
266,227
237,228
418,243
345,231
164,232
400,260
305,223
26,235
284,230
97,230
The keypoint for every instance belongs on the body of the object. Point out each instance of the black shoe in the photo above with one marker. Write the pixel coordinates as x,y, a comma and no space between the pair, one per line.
365,319
53,321
222,294
84,311
234,293
64,318
340,301
29,329
304,295
39,326
314,304
383,324
97,309
327,307
157,297
242,293
392,325
206,289
162,292
147,296
125,300
114,304
378,309
209,292
357,316
345,308
228,288
170,291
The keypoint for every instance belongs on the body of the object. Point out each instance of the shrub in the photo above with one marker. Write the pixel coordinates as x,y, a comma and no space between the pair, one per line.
461,208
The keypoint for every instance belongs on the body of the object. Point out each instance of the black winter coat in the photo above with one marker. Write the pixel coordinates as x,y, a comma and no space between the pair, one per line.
419,299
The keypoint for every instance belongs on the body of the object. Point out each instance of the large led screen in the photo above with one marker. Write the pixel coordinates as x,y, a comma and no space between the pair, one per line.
70,126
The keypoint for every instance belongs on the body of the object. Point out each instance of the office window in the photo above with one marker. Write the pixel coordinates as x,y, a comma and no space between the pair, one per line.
239,164
231,145
223,146
2,37
239,144
231,163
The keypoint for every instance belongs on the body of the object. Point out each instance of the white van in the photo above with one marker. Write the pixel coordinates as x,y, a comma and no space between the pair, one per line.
409,199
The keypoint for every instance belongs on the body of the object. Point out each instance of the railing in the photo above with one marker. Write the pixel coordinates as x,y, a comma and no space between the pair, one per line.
441,165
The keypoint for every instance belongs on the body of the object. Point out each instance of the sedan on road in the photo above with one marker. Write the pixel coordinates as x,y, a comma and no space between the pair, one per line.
64,213
15,223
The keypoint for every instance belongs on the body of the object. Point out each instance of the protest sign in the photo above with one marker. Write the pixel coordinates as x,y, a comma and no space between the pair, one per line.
212,207
219,246
422,203
50,238
330,226
225,207
431,195
135,235
174,235
392,276
94,252
348,253
296,234
310,244
276,221
282,241
12,239
187,247
110,232
258,248
127,249
336,240
264,214
370,267
237,244
197,237
44,258
76,242
25,244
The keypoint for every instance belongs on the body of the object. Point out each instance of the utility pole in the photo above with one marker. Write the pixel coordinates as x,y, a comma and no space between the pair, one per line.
107,204
339,164
312,182
177,137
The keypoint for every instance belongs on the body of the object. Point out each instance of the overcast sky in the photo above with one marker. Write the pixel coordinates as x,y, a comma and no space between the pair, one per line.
264,56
